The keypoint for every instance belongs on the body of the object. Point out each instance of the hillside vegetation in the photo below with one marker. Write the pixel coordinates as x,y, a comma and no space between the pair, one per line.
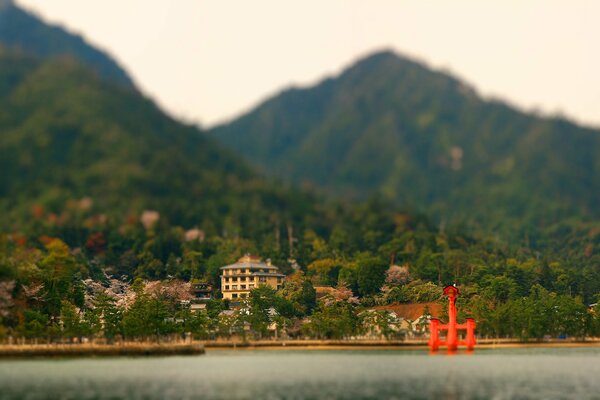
391,126
67,135
110,210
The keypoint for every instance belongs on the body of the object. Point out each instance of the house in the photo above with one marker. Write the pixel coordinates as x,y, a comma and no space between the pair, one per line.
195,307
322,291
413,318
201,291
248,273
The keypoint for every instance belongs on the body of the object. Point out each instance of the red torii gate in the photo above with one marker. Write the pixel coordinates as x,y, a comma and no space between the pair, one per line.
451,327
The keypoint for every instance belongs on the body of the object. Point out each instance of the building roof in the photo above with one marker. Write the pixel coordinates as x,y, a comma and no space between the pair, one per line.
322,291
271,274
451,290
412,311
251,262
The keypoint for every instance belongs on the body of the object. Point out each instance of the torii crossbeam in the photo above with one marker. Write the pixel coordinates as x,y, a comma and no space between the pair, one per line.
451,327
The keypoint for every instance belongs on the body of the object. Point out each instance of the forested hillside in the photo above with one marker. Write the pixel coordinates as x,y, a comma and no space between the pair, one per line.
99,167
66,135
110,211
20,29
392,126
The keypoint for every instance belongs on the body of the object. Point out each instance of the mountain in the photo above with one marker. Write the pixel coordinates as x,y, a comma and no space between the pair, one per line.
67,135
394,127
23,30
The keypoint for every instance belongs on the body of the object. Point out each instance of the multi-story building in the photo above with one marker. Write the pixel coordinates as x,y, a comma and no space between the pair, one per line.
201,290
201,295
248,273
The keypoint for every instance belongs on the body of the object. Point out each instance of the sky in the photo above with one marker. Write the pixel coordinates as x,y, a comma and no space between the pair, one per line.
208,61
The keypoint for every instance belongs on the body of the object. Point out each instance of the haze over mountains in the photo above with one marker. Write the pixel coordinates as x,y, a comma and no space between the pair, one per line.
73,128
387,126
393,127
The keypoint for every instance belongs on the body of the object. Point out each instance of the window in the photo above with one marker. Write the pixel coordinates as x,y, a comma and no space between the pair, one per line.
243,295
226,287
243,287
262,279
234,287
251,286
243,279
251,279
234,296
234,279
226,279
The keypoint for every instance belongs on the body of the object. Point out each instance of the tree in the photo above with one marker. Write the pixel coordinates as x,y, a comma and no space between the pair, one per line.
110,316
300,292
377,323
258,308
197,323
35,324
499,288
325,270
6,298
336,320
370,274
70,318
59,269
146,318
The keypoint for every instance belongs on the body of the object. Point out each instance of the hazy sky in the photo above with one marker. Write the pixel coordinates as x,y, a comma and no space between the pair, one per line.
208,61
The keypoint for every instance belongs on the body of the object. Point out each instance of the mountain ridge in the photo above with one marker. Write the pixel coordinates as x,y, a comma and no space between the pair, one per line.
22,29
67,134
392,126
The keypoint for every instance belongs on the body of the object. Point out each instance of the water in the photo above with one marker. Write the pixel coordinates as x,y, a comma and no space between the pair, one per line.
299,374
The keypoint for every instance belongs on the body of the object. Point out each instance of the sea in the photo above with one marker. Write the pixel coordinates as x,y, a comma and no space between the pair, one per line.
521,373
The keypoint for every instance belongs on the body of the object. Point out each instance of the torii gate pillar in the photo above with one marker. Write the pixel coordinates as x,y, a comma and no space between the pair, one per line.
451,327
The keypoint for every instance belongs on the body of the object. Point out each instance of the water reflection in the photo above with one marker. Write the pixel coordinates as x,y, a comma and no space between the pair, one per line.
483,374
449,352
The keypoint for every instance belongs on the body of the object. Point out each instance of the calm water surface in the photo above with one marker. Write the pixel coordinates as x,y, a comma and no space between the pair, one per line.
299,374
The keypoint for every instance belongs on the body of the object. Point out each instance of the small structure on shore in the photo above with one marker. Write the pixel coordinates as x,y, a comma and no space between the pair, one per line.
452,342
411,320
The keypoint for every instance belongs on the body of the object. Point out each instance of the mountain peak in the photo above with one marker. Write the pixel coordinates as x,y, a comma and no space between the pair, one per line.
391,125
376,58
379,55
388,56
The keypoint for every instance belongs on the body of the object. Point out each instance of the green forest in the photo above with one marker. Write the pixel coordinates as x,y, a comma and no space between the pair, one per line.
427,141
510,293
384,185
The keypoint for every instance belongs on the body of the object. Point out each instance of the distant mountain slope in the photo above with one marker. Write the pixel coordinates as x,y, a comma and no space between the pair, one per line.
66,135
25,31
392,126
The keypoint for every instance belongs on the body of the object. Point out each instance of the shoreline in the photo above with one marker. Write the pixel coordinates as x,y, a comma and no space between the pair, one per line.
100,350
135,349
384,345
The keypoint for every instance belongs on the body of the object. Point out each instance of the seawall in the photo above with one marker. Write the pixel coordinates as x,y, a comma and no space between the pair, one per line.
83,350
